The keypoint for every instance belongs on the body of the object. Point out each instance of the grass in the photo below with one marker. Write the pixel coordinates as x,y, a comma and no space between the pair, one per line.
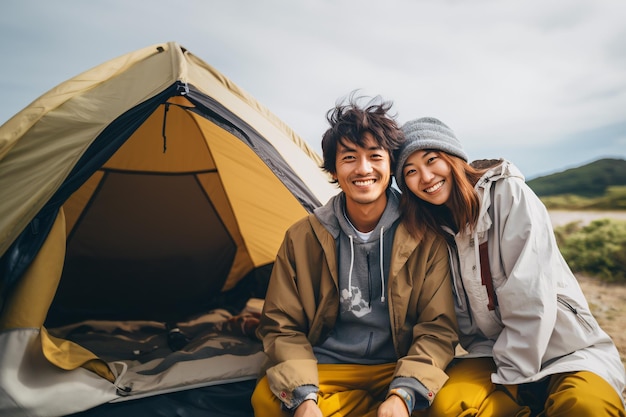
613,199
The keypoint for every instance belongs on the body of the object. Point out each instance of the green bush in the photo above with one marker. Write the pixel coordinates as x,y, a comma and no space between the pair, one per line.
597,249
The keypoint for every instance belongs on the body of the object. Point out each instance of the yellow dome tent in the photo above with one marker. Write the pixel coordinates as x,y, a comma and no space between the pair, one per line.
144,190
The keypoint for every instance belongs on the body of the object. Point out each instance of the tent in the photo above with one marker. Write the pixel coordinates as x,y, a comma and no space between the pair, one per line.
144,196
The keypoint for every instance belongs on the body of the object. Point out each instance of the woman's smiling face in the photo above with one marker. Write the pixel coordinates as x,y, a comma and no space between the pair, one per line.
428,176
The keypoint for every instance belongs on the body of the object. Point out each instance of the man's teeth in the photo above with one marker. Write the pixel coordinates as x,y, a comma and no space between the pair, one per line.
364,183
434,187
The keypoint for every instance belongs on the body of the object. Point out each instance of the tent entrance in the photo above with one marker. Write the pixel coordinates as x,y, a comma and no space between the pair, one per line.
146,246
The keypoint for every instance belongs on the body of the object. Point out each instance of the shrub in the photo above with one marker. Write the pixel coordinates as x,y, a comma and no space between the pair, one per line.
596,249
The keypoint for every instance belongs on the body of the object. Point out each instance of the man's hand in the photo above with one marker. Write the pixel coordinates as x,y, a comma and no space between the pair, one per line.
393,406
308,408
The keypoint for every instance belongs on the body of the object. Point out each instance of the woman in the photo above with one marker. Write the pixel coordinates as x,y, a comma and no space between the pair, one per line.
533,347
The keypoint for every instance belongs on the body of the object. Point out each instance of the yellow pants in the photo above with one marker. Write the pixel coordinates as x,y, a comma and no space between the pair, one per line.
344,391
470,392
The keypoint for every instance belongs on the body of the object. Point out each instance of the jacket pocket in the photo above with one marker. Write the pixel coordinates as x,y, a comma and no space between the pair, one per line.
583,317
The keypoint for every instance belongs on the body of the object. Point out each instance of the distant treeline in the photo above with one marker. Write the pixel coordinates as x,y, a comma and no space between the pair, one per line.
600,185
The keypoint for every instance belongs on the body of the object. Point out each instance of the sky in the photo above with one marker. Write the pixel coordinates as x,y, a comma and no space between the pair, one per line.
541,83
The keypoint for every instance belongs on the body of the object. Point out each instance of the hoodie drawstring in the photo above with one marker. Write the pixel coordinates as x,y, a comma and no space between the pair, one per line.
351,265
382,270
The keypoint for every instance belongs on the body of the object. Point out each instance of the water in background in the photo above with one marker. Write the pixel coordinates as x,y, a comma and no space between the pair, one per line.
562,217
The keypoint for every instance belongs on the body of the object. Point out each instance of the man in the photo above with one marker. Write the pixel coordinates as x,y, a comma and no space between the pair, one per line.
358,318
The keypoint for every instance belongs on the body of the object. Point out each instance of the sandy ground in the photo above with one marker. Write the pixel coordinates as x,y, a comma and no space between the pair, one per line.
608,304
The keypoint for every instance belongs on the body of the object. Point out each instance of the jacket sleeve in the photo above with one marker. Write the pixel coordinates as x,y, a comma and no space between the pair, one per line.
430,320
283,329
526,259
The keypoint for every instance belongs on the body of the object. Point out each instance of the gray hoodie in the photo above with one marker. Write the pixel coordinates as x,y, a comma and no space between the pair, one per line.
362,333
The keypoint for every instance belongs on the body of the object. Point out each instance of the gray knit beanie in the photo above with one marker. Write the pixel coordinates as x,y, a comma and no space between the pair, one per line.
426,133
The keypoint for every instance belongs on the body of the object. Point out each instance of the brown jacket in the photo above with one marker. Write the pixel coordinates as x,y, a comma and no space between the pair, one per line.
302,304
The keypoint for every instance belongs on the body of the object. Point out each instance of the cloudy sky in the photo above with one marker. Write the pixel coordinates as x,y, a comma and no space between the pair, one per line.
542,83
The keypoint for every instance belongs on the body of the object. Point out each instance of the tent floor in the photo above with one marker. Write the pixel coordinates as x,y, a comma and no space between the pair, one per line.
227,400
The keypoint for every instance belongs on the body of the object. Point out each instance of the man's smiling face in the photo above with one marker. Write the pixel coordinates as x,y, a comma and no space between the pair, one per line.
363,173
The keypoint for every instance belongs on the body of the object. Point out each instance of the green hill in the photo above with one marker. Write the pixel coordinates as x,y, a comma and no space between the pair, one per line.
589,181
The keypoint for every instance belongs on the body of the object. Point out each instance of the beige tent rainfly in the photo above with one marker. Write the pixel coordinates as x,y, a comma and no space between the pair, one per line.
143,199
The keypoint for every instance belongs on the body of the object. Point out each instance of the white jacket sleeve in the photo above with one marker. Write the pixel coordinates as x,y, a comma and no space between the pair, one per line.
527,298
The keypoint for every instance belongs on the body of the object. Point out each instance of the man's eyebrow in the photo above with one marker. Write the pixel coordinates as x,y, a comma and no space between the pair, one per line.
345,148
351,147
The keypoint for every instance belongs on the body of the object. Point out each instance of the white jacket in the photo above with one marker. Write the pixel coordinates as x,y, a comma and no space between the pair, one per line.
541,324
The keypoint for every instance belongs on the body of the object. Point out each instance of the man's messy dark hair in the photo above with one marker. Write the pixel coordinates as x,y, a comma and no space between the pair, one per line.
349,121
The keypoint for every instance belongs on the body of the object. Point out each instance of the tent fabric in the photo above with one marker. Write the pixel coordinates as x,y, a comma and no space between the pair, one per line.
31,386
150,187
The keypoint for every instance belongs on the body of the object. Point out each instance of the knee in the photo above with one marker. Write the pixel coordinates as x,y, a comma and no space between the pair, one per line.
583,405
583,394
